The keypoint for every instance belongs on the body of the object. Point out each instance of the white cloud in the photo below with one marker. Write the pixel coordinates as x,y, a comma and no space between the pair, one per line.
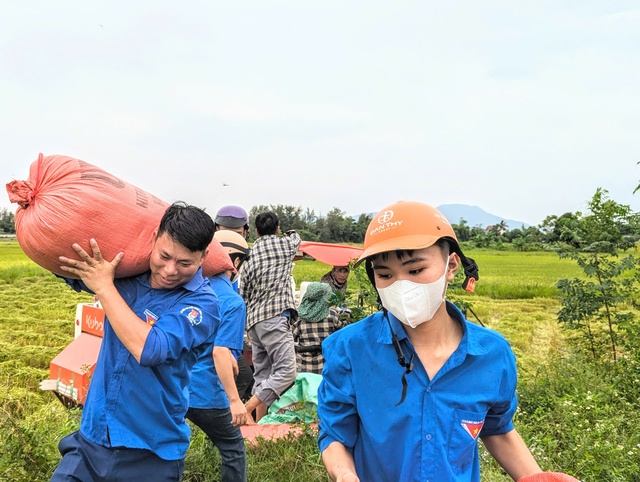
522,108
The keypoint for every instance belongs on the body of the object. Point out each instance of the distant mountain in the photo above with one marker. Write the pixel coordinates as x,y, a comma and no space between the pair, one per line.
475,216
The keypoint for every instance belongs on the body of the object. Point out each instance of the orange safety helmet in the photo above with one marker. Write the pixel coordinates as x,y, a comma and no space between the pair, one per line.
408,225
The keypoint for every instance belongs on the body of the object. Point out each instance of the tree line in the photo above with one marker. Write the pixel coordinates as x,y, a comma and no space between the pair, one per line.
334,227
338,227
7,222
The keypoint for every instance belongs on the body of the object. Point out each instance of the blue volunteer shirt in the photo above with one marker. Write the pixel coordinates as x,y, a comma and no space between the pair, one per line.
433,435
143,405
205,389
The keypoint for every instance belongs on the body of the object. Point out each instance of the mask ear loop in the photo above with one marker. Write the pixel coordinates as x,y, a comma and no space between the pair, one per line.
408,366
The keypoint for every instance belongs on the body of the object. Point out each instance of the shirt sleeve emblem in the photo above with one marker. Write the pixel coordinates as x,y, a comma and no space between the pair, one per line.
193,314
151,317
472,427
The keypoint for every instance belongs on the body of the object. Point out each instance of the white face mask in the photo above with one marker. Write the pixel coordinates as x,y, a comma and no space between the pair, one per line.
414,303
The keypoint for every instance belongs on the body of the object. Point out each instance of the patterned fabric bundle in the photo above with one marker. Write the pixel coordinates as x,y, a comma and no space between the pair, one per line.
314,306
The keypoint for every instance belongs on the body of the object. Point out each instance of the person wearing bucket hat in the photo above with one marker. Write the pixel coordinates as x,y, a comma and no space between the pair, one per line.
316,321
215,404
407,391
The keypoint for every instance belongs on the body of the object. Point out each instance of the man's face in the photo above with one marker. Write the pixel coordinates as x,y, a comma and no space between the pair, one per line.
340,273
172,264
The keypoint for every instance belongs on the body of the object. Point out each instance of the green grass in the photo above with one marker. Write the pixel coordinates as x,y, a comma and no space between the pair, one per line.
516,275
515,296
310,270
503,274
15,265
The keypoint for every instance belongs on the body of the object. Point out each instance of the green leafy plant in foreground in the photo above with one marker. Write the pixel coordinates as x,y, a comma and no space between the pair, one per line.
600,305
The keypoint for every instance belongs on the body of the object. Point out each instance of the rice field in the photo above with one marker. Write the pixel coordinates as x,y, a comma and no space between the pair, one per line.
515,295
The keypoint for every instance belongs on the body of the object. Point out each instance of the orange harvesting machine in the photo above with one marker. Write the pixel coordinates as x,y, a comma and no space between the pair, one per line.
71,370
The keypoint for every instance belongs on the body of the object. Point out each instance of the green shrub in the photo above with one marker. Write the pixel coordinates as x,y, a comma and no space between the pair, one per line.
584,419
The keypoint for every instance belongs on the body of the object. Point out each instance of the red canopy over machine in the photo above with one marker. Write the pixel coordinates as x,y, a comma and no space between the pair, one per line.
331,254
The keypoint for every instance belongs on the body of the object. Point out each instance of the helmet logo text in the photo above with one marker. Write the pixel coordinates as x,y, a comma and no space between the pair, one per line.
385,217
384,227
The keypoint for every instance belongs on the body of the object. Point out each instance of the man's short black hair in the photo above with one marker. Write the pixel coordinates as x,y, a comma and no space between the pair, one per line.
187,225
267,223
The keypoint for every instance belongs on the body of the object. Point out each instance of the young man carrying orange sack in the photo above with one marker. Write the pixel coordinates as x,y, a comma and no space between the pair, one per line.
157,324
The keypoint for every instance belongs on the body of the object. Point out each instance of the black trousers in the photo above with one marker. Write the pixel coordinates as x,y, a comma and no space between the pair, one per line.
244,380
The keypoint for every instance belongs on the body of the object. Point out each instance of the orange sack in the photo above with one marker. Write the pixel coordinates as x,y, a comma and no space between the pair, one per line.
66,201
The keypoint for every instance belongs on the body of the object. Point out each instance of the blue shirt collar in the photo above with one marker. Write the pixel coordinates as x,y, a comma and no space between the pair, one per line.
196,282
469,343
223,277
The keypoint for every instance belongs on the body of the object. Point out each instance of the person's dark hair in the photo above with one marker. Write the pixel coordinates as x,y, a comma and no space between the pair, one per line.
187,225
267,223
445,247
443,244
241,256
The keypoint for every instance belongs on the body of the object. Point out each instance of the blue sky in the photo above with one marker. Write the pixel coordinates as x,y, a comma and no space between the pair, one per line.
522,108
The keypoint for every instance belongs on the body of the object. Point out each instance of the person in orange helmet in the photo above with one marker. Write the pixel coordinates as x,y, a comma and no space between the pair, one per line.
408,391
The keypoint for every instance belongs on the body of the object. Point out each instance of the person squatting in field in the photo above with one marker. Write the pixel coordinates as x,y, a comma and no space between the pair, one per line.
407,391
214,403
265,285
316,321
157,324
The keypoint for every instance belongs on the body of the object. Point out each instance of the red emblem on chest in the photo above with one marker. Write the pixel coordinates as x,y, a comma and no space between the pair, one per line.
472,428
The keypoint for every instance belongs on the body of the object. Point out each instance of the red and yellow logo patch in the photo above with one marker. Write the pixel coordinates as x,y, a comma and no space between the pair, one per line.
151,317
472,428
